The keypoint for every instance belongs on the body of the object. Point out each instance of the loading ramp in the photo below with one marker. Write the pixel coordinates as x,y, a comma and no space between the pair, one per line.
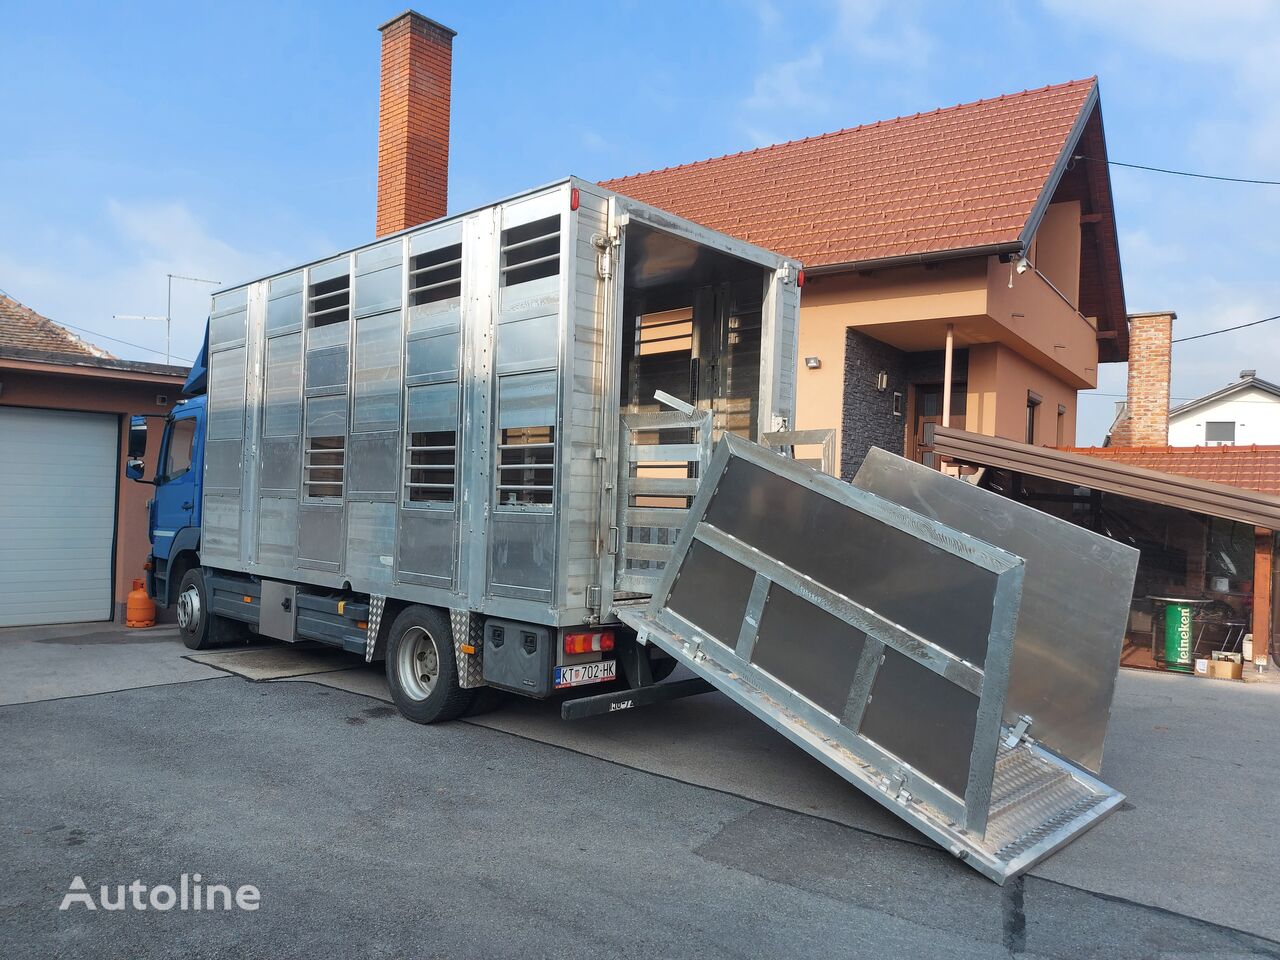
877,639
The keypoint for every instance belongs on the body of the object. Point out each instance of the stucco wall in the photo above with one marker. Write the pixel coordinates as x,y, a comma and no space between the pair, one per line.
996,404
35,387
1255,413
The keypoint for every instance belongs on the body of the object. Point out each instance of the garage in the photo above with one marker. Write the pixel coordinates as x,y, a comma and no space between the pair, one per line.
58,472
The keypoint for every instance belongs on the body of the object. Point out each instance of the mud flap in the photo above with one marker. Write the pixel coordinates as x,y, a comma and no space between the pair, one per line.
876,639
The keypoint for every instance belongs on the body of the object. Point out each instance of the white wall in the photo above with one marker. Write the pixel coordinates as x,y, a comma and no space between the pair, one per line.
1255,413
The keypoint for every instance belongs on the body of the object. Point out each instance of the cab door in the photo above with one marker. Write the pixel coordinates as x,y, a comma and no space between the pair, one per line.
177,500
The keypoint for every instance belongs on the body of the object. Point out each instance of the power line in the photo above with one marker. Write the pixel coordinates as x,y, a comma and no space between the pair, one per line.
1178,173
1239,326
127,343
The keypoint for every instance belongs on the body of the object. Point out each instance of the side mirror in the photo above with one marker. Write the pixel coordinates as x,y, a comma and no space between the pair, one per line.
134,470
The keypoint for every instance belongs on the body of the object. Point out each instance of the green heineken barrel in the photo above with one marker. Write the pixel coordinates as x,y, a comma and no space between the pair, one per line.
1177,636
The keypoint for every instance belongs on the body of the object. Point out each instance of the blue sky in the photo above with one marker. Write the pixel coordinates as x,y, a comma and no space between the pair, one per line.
232,139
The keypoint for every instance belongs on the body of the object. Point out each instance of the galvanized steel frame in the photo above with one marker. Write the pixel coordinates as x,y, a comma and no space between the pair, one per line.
987,681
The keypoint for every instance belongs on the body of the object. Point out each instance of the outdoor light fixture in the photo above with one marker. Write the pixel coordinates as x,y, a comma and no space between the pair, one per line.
882,381
1024,265
813,363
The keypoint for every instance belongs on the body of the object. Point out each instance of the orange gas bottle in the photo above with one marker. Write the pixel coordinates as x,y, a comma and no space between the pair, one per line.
139,611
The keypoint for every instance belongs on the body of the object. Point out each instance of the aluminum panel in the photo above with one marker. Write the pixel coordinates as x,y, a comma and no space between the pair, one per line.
226,395
320,533
532,342
279,611
282,416
277,531
375,401
371,538
856,555
280,464
220,529
373,464
522,555
428,546
1075,601
222,464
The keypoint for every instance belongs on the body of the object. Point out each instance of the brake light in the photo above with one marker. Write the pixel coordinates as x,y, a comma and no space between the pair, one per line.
588,642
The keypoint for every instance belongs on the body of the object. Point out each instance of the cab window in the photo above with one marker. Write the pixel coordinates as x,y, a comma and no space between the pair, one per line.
182,437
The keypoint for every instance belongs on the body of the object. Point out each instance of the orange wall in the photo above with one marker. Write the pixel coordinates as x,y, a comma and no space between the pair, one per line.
1056,249
996,404
33,385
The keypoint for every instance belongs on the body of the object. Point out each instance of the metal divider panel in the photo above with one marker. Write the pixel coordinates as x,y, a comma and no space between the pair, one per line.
926,720
930,591
808,649
711,591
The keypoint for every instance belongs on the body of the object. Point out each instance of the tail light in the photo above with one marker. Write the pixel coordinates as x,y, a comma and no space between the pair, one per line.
588,642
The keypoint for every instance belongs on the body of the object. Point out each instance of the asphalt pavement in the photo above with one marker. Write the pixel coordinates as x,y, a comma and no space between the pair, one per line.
366,835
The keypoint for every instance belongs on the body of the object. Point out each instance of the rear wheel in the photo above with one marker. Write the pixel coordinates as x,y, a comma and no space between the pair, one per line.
421,670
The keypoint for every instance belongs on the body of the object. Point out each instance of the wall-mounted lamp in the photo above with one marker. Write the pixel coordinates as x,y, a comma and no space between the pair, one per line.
882,381
813,363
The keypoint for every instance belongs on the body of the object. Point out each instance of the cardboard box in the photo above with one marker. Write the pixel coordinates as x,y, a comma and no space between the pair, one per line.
1224,665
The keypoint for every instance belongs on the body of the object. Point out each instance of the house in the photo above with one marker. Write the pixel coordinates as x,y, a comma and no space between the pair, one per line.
978,233
73,531
1244,412
961,263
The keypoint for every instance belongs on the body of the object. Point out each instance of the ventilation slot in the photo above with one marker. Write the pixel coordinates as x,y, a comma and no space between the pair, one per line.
531,251
436,275
329,301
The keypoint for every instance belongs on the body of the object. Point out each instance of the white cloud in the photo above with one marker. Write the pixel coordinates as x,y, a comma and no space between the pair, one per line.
82,279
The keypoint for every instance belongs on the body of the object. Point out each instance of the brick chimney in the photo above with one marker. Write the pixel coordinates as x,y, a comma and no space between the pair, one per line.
1146,421
413,122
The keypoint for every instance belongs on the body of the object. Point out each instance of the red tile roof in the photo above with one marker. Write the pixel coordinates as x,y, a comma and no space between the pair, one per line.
1250,468
955,178
23,328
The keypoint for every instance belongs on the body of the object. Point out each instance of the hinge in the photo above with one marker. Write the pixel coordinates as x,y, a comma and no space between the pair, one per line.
593,596
1019,732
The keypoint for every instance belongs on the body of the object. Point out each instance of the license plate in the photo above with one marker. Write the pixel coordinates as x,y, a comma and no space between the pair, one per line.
580,673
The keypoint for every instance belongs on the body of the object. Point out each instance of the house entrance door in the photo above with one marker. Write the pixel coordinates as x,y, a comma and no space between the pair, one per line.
927,409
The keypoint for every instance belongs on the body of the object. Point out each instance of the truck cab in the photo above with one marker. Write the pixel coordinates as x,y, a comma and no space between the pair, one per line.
174,517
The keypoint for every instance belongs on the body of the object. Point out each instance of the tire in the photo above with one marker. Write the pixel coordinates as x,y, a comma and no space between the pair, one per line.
421,670
662,667
193,611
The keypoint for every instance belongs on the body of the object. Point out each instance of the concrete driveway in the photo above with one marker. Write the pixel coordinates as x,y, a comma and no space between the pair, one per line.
688,828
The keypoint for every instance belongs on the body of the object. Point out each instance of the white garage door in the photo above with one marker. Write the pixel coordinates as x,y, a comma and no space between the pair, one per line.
57,515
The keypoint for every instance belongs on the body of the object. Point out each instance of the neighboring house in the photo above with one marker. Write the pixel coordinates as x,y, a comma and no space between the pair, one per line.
73,530
1242,413
979,225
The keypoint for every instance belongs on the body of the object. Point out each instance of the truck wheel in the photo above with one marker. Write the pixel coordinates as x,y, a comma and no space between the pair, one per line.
193,611
421,670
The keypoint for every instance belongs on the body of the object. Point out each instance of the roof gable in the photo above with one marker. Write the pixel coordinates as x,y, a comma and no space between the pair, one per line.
1231,389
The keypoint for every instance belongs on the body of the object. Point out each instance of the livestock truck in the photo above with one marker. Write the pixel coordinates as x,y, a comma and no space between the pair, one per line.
443,448
536,447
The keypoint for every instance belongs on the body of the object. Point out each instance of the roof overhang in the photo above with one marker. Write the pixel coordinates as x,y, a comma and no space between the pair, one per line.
66,364
1152,486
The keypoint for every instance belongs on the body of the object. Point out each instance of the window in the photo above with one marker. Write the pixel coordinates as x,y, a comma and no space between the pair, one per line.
1220,432
531,251
436,275
526,440
1033,407
431,448
325,447
329,295
181,437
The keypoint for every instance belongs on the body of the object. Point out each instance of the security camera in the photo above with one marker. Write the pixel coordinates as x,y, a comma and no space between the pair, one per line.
1024,265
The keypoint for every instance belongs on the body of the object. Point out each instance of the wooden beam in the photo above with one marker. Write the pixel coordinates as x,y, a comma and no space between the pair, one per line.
1261,594
1090,218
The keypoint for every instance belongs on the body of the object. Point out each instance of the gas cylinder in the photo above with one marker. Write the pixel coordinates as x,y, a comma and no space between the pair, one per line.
139,611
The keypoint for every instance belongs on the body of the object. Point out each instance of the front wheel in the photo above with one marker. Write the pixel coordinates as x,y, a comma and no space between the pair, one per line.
193,610
421,670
